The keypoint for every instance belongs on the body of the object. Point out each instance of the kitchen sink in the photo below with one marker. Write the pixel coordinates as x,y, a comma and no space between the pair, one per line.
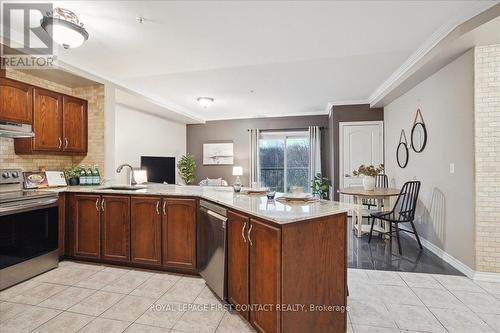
124,187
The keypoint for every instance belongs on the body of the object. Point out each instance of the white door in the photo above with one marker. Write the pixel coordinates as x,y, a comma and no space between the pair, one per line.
359,143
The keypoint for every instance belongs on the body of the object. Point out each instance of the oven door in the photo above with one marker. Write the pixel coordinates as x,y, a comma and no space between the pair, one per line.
28,229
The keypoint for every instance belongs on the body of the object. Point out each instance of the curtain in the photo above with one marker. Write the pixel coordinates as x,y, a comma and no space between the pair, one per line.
253,135
314,151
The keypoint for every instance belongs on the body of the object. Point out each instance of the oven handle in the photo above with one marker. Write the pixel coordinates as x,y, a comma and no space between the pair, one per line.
29,207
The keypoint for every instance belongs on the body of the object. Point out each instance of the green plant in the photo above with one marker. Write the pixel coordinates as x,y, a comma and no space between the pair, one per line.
319,186
72,172
187,166
368,170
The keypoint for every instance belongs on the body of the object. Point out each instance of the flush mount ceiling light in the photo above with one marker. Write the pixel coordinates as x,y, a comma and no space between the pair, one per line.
205,101
65,28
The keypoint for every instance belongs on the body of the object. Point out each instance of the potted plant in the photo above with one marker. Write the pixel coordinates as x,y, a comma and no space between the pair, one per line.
369,172
73,175
319,186
187,166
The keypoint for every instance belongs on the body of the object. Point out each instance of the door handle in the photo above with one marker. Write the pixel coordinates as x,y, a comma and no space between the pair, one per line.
60,143
248,234
158,207
347,175
243,232
97,204
65,143
164,208
102,204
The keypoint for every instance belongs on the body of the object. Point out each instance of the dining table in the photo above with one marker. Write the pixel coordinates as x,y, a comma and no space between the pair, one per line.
381,195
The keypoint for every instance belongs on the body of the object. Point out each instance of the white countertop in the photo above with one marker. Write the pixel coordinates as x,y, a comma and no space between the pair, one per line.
255,205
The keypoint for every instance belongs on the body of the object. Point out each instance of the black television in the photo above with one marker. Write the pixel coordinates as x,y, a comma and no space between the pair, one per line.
159,169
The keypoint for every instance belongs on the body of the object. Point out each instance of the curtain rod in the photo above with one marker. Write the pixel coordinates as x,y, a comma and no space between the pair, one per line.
285,129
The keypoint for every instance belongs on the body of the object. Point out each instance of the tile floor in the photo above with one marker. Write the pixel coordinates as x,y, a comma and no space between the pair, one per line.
80,297
383,255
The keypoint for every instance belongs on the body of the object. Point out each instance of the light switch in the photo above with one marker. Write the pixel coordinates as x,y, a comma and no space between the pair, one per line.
452,168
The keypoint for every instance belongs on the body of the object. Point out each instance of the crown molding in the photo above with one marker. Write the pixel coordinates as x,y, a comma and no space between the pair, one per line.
330,105
262,116
450,30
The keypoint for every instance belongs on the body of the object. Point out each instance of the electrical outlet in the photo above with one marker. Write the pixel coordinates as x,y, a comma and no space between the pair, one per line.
419,219
452,168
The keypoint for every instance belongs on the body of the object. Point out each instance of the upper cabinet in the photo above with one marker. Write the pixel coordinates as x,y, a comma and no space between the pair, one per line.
74,121
47,121
59,123
16,101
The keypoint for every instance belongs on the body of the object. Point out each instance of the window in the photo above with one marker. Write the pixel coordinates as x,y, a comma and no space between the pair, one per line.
284,160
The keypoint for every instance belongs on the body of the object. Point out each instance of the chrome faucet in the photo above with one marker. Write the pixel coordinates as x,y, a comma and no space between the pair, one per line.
132,177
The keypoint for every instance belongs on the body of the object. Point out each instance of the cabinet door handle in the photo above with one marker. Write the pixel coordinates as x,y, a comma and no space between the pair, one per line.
60,143
243,232
65,143
164,208
248,235
97,204
158,207
102,205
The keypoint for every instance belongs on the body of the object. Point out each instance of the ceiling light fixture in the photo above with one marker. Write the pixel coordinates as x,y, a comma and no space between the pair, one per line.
205,101
64,27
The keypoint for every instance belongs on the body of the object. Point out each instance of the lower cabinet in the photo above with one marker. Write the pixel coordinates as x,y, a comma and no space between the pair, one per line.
179,233
254,269
146,216
301,266
265,274
86,216
145,230
115,223
237,261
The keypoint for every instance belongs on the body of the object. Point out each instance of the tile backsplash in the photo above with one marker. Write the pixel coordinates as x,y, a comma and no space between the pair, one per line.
95,97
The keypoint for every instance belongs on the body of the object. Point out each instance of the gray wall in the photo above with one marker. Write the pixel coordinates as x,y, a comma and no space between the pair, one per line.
236,131
342,113
445,214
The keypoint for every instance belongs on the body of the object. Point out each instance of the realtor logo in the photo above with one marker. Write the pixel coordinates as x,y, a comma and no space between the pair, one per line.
25,44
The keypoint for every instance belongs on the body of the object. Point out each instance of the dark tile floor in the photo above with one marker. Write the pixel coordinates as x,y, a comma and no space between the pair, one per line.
382,255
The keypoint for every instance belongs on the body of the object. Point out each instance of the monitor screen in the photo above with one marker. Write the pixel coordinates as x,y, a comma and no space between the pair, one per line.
160,169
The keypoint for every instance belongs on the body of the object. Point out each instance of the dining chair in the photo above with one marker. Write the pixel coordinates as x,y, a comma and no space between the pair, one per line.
402,212
381,181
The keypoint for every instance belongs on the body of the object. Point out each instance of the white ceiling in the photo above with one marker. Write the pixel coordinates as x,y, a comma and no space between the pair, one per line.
295,56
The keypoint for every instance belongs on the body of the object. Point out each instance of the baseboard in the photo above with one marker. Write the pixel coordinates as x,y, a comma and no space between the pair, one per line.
487,277
466,270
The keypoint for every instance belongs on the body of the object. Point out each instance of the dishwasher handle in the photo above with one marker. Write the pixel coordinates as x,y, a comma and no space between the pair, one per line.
214,214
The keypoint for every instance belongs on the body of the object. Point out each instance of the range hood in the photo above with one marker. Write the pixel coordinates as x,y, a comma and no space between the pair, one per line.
15,130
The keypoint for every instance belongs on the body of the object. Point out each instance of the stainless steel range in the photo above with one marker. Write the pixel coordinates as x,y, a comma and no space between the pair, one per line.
28,230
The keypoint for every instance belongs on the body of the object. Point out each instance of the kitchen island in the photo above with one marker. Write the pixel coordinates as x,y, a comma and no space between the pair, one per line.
286,263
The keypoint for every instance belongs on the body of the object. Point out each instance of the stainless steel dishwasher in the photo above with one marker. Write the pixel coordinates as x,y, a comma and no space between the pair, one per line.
212,246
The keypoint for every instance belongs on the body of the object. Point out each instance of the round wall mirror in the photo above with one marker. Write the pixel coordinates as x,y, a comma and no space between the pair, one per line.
402,154
418,137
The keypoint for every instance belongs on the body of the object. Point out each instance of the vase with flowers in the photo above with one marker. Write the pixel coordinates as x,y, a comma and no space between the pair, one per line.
369,172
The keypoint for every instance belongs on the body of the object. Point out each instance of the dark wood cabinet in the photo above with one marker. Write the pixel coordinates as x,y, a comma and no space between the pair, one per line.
145,230
265,274
254,269
115,224
179,233
47,121
145,223
74,121
237,260
60,122
16,101
87,226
